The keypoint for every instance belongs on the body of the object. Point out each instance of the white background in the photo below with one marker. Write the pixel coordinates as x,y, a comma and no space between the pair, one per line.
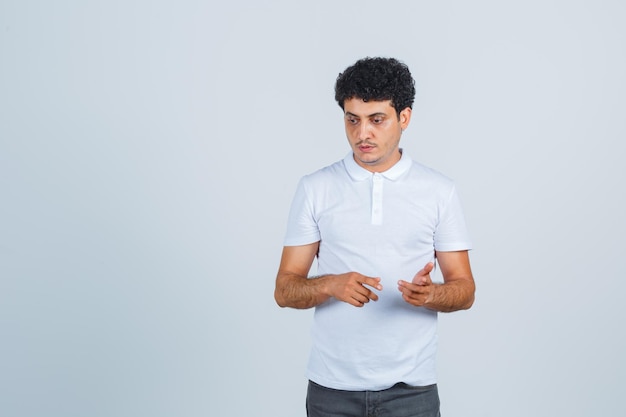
149,151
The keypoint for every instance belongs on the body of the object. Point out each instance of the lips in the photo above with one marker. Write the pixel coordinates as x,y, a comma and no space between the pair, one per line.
366,148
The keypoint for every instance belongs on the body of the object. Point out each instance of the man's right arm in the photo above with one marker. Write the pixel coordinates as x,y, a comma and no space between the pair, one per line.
294,288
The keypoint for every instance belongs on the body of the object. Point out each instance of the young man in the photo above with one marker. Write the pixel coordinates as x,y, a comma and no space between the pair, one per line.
377,222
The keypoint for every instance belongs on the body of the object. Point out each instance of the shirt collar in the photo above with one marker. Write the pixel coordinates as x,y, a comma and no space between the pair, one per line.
358,173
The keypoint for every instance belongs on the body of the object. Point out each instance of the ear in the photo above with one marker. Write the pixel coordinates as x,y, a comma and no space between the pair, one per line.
405,118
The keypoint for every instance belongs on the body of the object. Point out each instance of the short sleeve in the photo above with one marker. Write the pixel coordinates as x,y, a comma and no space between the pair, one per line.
302,228
451,233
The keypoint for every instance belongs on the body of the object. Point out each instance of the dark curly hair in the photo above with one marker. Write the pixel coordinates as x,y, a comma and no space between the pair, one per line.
377,79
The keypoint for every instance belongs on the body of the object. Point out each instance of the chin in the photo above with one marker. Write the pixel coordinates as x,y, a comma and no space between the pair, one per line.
369,161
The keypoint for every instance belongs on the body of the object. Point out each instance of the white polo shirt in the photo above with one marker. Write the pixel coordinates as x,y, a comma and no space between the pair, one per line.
385,225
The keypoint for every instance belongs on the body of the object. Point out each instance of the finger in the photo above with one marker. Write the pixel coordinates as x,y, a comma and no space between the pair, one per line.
359,300
423,276
372,282
408,290
409,287
425,280
413,300
366,293
404,286
412,293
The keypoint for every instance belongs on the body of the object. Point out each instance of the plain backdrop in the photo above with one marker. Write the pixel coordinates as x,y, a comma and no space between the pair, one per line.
149,151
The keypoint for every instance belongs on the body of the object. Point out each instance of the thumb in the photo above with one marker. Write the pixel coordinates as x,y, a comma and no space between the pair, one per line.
423,277
428,268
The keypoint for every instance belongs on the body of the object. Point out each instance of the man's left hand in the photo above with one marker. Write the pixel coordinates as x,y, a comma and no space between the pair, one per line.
420,290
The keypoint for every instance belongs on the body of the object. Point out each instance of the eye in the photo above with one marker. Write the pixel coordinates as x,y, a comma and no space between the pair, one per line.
377,120
352,120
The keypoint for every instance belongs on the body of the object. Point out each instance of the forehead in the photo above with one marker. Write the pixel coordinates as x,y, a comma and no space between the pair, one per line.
358,107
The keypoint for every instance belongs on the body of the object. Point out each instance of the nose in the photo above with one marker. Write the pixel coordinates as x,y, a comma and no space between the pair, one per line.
364,131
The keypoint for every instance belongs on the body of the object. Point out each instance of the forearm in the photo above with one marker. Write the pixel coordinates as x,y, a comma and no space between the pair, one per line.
451,296
296,291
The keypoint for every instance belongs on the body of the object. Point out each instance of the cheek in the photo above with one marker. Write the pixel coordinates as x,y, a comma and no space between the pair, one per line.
351,131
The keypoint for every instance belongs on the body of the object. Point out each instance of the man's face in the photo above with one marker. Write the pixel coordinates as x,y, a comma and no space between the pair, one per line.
374,129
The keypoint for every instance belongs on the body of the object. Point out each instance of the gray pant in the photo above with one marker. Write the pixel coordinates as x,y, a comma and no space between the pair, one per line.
401,400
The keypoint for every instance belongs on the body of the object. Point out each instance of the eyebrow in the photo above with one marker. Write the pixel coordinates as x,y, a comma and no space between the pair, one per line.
371,115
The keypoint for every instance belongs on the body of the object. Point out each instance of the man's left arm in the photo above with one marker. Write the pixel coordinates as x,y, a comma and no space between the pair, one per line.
456,292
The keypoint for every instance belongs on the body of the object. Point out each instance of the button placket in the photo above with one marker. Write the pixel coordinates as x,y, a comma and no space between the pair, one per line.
377,199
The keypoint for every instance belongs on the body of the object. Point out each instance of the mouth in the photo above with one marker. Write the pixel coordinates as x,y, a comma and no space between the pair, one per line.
365,147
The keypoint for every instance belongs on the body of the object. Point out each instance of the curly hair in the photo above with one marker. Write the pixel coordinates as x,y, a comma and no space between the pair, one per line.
377,79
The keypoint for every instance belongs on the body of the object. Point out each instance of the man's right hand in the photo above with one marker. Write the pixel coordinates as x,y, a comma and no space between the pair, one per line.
294,289
352,288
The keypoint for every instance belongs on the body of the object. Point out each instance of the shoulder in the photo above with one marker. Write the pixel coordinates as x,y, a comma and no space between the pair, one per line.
427,175
333,171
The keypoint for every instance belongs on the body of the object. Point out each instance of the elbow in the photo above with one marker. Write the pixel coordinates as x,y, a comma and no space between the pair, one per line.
459,306
280,299
471,298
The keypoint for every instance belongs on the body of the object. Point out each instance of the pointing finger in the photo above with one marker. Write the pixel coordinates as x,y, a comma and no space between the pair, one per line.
372,282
